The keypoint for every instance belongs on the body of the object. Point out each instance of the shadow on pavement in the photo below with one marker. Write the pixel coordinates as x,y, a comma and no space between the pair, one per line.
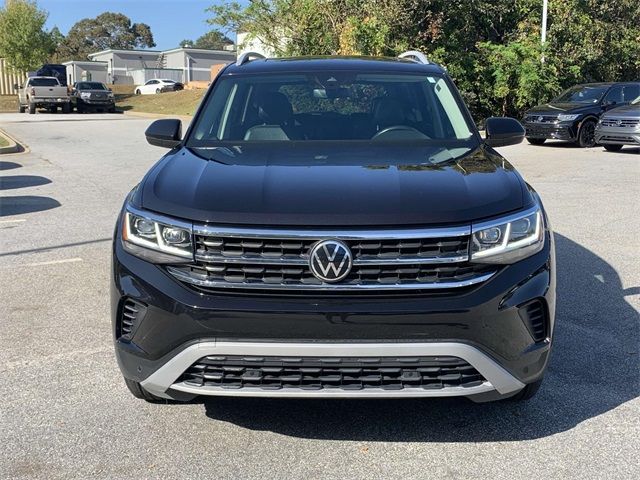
593,369
25,204
9,165
12,182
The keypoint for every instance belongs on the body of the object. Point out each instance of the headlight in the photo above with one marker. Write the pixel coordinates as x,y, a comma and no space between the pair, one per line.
110,94
563,117
154,233
508,239
85,94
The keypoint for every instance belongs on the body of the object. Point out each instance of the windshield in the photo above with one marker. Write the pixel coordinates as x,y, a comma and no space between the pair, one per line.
91,86
44,82
331,106
583,94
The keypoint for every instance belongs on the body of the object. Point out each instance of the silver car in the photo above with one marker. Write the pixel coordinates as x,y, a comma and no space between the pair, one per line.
620,126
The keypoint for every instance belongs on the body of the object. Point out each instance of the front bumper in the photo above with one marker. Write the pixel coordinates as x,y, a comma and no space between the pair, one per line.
567,131
617,136
482,326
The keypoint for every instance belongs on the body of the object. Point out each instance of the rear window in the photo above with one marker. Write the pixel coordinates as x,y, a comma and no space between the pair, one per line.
44,82
329,106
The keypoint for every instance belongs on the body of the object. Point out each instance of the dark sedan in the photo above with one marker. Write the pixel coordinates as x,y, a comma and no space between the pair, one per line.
87,96
574,114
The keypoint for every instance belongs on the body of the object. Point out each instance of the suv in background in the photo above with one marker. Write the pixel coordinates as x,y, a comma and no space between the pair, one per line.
573,115
620,126
92,96
333,227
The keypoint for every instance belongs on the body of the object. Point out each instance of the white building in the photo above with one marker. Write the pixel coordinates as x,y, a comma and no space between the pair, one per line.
86,71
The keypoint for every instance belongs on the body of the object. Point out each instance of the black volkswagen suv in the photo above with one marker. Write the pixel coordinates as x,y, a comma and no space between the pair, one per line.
333,227
574,114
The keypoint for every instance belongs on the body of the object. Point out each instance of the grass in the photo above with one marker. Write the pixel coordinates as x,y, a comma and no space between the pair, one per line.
183,102
8,103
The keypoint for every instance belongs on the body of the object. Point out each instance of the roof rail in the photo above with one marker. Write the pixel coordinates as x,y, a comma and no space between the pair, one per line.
415,56
247,57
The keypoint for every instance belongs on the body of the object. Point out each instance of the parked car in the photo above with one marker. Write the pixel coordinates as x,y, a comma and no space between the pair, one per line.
158,85
619,127
333,227
574,114
43,92
53,70
92,96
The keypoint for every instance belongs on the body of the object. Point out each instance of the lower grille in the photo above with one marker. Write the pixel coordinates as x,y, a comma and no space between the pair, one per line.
322,373
534,315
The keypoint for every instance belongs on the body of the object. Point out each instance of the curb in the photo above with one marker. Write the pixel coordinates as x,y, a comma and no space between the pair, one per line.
185,118
13,147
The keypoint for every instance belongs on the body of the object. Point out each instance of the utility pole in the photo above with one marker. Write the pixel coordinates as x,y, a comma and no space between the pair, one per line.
543,33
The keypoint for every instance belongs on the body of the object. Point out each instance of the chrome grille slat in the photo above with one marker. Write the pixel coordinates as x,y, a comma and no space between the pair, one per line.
278,259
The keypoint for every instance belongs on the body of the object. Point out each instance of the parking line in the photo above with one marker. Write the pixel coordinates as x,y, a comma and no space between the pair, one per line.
42,264
17,220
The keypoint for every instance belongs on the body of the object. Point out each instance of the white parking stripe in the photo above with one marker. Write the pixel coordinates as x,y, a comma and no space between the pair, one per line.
41,264
17,220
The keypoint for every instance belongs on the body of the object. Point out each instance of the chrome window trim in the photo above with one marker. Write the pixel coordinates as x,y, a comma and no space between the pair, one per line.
324,287
321,234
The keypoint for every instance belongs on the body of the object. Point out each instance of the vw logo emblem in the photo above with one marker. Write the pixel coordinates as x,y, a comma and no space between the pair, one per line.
330,260
540,119
619,123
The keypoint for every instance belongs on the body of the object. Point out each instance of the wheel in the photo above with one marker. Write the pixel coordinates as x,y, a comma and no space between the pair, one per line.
587,134
66,108
53,109
527,392
137,391
157,90
22,108
138,92
32,108
80,108
112,110
536,141
612,148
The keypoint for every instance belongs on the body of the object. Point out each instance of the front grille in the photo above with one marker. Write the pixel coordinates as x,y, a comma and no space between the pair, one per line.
423,260
534,315
620,122
331,373
541,118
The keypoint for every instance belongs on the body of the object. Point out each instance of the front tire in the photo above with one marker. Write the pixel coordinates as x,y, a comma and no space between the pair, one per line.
157,91
587,134
612,148
139,392
527,392
22,108
138,92
536,141
32,108
66,108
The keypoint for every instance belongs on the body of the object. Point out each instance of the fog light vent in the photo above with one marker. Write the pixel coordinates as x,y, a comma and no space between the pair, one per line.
132,313
534,314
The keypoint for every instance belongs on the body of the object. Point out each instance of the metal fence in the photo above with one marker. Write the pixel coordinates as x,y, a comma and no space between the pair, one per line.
8,78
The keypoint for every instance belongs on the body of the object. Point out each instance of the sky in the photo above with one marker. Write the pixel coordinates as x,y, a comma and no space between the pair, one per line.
171,21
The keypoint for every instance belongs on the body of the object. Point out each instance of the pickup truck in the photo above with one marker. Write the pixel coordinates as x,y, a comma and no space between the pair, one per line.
43,92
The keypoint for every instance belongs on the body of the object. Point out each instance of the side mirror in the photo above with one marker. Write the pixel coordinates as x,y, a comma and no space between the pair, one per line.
17,87
503,131
165,133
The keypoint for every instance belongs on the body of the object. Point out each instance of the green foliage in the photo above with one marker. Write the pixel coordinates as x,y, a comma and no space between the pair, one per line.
107,30
213,40
23,41
491,49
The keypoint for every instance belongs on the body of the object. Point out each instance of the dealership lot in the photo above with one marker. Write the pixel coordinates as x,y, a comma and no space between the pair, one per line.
65,412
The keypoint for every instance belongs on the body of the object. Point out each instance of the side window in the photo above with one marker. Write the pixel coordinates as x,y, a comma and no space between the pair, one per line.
614,95
630,92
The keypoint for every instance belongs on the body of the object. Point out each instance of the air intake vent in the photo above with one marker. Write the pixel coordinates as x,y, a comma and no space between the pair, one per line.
132,313
534,314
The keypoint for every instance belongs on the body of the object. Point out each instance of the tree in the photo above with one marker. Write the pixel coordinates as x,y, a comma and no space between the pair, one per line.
23,41
107,30
213,40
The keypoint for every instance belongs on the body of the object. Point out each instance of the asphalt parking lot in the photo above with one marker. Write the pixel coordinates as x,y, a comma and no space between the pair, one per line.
65,412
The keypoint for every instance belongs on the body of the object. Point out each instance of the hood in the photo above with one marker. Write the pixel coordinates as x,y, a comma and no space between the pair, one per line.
626,111
557,108
300,185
